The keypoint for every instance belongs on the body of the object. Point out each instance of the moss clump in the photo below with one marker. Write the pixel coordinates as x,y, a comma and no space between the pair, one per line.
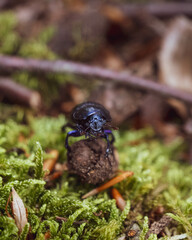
9,39
158,180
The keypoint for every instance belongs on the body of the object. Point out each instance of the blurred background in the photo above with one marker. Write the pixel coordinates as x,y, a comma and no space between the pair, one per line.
150,40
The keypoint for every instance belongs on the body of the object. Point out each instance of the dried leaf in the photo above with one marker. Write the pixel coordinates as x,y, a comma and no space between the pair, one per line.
19,211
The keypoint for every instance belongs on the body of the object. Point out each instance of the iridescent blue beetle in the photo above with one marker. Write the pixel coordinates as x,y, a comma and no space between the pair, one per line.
92,120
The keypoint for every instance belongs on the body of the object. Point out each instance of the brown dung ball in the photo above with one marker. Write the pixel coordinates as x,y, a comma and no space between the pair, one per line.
88,160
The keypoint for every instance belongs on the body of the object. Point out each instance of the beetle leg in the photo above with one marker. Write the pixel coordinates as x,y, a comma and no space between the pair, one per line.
108,150
110,132
74,133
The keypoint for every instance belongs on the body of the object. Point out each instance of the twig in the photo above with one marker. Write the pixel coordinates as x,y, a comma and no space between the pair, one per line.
19,94
157,9
61,66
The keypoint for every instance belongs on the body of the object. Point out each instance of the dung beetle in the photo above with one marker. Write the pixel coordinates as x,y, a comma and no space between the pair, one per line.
92,120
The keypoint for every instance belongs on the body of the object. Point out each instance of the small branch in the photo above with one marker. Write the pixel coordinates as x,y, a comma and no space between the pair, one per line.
157,9
61,66
19,94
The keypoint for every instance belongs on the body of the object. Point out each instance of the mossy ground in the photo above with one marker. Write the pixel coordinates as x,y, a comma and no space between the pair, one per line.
159,180
160,177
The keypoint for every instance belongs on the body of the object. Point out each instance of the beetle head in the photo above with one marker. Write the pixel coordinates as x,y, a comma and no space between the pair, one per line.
96,123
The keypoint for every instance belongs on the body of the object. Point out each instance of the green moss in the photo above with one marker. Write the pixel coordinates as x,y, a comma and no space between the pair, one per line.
8,229
145,229
157,180
9,39
39,162
23,235
35,49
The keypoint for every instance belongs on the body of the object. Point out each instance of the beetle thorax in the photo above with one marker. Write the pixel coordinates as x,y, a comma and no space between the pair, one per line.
96,123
